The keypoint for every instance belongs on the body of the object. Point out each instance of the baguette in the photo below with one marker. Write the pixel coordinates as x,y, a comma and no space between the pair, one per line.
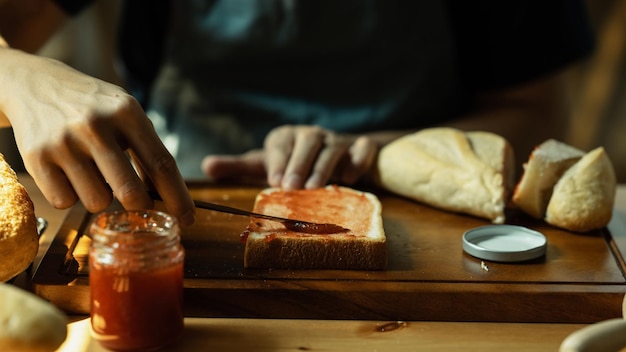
464,172
269,245
19,240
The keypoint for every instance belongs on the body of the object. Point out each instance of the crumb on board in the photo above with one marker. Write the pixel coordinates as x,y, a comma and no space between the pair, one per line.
484,266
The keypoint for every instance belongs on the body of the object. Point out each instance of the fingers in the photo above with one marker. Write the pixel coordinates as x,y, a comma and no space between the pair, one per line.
308,159
86,160
52,182
123,181
326,163
309,156
88,183
291,152
361,157
73,131
278,146
100,143
155,161
152,159
65,172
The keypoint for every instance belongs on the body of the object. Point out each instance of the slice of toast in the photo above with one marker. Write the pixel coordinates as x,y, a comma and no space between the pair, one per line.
545,165
269,245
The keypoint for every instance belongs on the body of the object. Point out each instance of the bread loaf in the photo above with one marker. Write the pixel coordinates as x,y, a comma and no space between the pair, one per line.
28,323
567,187
465,172
604,336
584,196
545,166
272,246
19,240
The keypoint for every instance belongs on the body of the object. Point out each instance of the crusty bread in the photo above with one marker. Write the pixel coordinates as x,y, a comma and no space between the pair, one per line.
545,166
270,245
28,323
465,172
567,187
584,196
496,152
18,226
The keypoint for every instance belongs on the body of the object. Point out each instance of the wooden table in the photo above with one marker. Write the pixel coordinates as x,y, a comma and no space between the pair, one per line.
336,335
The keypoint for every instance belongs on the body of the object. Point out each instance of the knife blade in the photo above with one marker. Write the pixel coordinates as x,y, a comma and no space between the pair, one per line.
290,224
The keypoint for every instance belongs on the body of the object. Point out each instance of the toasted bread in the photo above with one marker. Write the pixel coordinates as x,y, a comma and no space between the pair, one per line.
271,245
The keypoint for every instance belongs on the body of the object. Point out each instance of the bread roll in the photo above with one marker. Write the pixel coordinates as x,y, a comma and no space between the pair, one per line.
28,323
544,168
19,240
605,336
270,245
465,172
583,198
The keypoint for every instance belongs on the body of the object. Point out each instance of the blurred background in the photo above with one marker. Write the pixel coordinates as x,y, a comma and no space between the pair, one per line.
598,85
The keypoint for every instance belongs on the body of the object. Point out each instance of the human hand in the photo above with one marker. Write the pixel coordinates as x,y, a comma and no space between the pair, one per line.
74,133
300,157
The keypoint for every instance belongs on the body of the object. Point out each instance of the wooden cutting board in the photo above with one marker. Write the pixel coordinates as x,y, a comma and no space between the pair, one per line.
429,277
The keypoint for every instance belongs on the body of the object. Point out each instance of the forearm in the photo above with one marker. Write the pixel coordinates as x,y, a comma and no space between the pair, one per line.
14,64
7,61
25,25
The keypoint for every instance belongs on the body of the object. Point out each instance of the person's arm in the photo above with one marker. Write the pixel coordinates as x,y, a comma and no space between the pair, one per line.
26,25
309,157
74,131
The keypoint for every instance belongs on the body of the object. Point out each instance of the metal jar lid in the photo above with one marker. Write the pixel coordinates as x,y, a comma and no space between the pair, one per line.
504,243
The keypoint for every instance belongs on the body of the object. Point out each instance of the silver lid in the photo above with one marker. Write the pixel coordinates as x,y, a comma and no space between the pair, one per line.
504,243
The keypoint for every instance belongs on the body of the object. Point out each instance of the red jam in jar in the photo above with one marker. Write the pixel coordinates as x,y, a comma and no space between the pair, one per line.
136,280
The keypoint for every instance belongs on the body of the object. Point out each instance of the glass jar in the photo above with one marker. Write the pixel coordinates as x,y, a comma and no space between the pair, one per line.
136,280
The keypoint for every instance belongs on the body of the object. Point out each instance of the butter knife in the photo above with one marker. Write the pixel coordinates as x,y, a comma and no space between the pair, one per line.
290,224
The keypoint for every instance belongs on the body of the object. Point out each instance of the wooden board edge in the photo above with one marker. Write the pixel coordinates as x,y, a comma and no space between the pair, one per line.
54,265
615,233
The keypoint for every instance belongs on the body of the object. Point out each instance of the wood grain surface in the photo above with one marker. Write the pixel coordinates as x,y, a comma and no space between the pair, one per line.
228,334
429,277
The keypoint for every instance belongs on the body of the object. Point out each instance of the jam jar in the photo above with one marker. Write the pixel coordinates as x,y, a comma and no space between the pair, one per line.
136,280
